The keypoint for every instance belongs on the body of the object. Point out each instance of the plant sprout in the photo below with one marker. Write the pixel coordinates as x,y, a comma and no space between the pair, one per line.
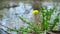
44,24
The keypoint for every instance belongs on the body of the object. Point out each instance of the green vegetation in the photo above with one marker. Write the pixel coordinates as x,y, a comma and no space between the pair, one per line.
44,24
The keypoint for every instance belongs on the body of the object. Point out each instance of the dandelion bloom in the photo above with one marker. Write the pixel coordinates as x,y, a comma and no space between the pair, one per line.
35,12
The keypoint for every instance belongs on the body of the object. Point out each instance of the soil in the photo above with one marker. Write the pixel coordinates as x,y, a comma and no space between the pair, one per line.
54,32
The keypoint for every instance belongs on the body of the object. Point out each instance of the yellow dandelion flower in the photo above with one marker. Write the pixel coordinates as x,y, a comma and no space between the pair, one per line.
35,12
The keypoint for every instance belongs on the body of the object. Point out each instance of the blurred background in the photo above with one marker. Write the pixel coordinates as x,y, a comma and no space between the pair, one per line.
11,9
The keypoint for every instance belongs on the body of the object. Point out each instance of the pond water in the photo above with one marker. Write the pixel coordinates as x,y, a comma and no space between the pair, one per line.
10,15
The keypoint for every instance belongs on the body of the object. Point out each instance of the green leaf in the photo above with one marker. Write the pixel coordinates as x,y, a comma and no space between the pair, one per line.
24,21
56,20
